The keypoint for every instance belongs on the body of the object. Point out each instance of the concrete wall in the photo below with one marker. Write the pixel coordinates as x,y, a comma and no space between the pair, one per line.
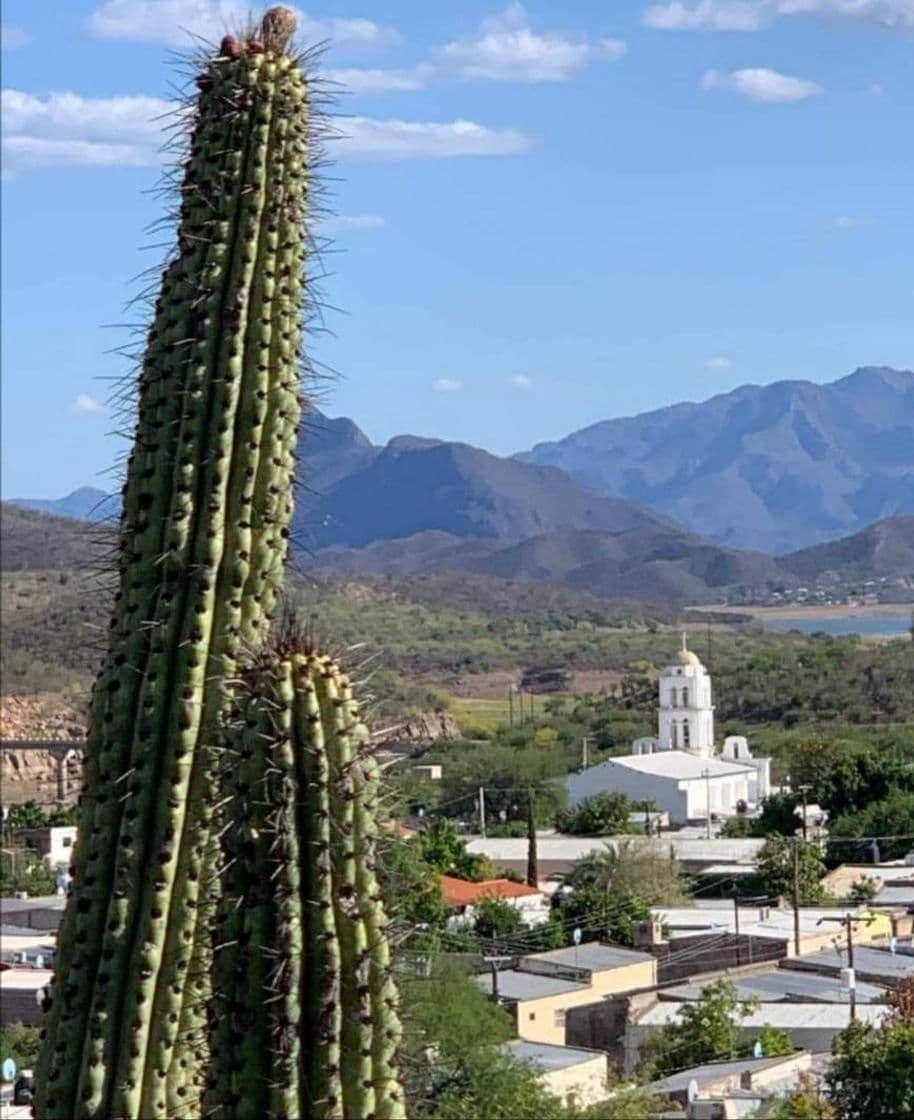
543,1020
664,792
585,1082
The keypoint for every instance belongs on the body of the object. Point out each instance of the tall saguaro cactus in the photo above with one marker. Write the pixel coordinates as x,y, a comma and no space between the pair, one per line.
305,1006
206,507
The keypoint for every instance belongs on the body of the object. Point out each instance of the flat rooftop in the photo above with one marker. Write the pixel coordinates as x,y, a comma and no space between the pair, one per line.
516,985
548,1057
714,1071
778,985
785,1016
867,960
592,956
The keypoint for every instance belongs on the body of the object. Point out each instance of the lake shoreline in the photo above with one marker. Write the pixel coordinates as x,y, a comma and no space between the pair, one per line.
813,612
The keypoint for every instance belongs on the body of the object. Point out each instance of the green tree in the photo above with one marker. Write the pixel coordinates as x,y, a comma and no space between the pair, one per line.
774,1041
805,1102
410,885
872,1074
893,815
634,867
453,1057
601,915
19,1042
776,869
708,1031
496,918
442,848
27,815
604,814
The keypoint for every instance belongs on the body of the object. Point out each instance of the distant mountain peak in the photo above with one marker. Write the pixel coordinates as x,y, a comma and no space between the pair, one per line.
768,467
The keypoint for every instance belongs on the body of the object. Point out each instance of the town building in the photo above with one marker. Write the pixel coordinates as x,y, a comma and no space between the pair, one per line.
53,842
564,1071
463,899
680,769
541,987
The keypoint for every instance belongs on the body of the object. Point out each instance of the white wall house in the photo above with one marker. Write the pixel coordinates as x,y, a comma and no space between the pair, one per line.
679,768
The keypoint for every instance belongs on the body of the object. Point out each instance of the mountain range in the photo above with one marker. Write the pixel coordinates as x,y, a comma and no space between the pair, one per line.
751,473
773,467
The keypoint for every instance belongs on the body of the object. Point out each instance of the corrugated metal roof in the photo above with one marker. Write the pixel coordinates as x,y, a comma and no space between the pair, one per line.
593,956
867,960
786,1016
715,1071
548,1057
778,984
517,985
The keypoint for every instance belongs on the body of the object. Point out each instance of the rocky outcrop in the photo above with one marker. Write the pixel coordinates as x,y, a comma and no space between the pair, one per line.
426,727
47,772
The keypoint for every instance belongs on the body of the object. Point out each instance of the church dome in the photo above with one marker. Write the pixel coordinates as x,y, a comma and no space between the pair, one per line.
686,657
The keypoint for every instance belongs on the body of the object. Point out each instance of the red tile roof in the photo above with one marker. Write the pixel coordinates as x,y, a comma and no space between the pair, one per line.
458,892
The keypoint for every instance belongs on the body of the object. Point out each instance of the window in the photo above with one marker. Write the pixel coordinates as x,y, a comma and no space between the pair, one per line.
531,1015
68,841
685,697
685,733
674,731
559,1019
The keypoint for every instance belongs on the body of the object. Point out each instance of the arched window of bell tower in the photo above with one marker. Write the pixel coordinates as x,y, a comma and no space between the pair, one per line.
674,734
685,697
685,734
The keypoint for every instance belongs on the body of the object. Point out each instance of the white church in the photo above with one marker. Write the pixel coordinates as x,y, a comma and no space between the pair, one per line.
680,769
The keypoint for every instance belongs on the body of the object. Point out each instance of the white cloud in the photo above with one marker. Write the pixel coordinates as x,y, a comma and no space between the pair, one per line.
12,36
174,22
849,221
752,15
718,364
363,80
68,130
506,48
65,129
338,223
761,84
447,385
366,137
707,15
83,404
520,380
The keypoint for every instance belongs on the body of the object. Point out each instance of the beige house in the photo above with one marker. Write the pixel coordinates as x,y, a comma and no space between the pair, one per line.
569,1073
542,987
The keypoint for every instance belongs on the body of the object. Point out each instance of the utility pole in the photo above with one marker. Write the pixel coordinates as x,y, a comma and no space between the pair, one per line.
510,705
493,963
482,812
736,923
804,789
847,920
706,774
796,896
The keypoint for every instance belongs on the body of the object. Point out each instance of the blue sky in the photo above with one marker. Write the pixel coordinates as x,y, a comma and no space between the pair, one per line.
547,215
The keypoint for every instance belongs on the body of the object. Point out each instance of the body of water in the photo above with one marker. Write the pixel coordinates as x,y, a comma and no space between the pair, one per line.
863,624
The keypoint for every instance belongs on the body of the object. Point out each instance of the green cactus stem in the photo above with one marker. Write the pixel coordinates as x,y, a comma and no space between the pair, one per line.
306,1008
203,538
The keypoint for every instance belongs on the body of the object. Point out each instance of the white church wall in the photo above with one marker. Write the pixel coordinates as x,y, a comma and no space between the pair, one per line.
664,792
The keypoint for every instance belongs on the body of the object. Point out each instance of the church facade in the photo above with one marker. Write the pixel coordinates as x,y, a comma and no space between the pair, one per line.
680,769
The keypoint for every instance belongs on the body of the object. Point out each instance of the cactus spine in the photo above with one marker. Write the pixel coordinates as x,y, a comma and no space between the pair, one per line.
306,1008
206,507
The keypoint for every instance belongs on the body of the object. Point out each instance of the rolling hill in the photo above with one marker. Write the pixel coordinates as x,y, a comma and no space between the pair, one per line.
771,467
